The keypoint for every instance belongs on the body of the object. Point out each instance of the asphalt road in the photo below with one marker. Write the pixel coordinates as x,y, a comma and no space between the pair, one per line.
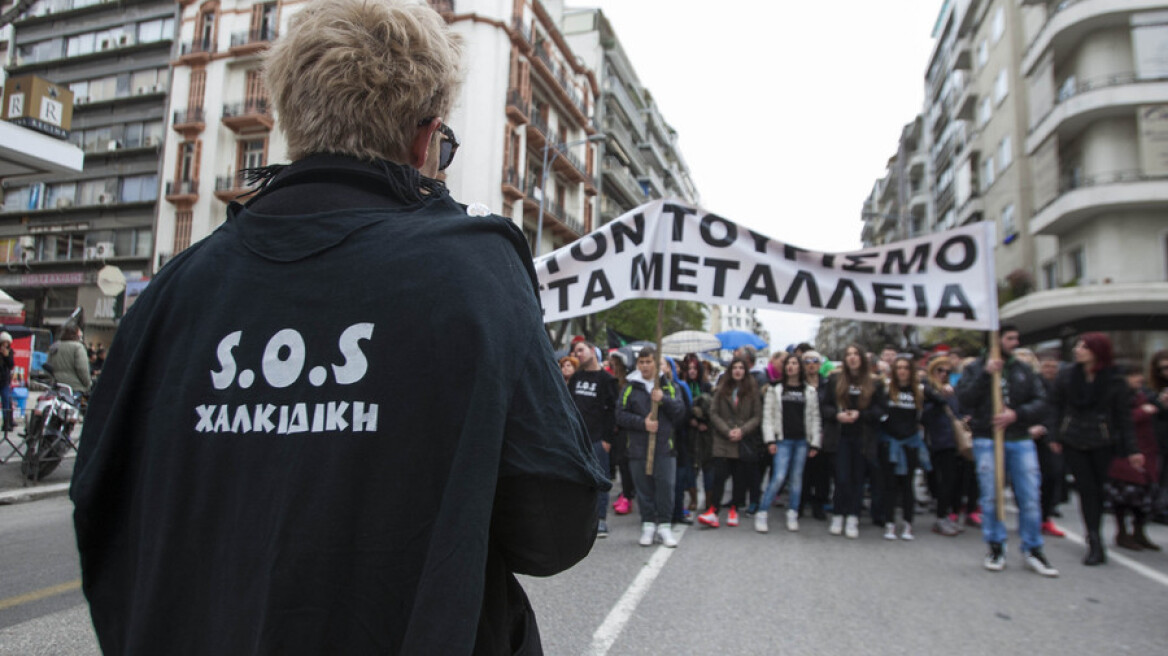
726,591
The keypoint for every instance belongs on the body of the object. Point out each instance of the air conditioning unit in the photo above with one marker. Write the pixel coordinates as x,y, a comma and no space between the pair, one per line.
80,100
27,243
104,249
149,142
64,202
105,199
157,88
113,145
141,91
105,44
91,252
124,39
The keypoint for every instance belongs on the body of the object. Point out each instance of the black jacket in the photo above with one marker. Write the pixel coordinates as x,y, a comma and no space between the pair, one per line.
595,395
1023,393
1106,422
870,417
635,405
347,448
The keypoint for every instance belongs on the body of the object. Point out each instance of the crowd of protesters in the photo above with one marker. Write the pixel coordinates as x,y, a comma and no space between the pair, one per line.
859,437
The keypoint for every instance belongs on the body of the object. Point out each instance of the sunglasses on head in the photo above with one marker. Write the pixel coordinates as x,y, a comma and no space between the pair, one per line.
810,360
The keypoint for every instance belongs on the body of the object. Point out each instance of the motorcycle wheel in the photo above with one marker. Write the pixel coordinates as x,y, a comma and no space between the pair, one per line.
41,455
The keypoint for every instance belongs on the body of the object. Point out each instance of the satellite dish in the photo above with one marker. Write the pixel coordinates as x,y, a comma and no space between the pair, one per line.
111,281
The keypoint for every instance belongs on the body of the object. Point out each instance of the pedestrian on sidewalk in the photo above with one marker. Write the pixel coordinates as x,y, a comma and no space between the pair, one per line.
356,443
1024,405
1093,409
1131,491
647,386
7,364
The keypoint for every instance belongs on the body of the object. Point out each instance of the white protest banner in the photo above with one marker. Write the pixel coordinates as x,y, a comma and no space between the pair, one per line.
666,249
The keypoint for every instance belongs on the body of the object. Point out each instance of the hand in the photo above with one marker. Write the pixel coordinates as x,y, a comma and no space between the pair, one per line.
993,366
656,395
845,417
1005,418
1150,409
1056,448
650,425
1037,431
703,428
735,434
811,453
772,448
947,390
607,447
1136,460
693,422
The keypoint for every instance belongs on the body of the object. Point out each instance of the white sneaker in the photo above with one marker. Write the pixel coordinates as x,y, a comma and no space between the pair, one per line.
890,531
1037,561
665,532
792,520
760,521
906,532
648,530
852,529
837,525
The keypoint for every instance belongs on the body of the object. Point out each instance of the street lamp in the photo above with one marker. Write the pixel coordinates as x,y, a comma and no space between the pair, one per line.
543,181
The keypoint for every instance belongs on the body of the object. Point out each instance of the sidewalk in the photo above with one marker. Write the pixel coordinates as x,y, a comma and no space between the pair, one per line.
14,488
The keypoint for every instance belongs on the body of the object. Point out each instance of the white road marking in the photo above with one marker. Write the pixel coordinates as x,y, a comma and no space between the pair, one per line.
610,629
1138,568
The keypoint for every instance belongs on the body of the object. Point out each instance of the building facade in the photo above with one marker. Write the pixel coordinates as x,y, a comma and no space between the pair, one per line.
58,230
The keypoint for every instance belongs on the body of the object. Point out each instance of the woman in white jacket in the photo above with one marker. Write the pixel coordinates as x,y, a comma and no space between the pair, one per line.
792,431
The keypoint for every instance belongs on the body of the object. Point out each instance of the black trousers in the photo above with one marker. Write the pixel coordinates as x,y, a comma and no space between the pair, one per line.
898,488
1053,477
723,469
1089,467
849,477
946,481
817,475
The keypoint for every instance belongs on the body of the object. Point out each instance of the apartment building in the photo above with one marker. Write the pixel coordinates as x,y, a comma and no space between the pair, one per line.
220,121
1097,79
640,160
57,230
899,205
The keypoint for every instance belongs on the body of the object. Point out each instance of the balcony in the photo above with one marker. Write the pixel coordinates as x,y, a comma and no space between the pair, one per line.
230,187
570,165
189,122
619,177
512,184
518,109
252,42
1083,198
1054,313
972,210
654,182
628,107
1070,20
196,52
250,116
555,217
537,131
182,192
1090,99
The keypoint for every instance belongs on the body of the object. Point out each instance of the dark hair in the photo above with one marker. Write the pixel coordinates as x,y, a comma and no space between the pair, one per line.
745,387
649,352
863,380
802,372
692,358
1007,328
70,332
913,381
1100,346
1157,380
804,346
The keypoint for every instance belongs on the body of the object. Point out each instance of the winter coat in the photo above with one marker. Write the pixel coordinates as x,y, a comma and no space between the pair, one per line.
1024,394
747,415
635,404
1105,421
772,416
70,363
870,416
1142,424
936,421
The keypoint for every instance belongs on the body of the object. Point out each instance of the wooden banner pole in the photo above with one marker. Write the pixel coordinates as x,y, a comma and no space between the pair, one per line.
653,412
999,433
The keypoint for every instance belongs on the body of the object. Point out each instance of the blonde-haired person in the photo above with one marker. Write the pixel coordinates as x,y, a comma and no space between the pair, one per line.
284,440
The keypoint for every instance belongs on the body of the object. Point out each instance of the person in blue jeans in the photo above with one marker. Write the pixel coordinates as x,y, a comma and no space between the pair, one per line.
793,431
1023,405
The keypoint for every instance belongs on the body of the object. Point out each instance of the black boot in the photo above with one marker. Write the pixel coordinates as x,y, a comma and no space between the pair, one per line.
1095,553
1123,539
1141,538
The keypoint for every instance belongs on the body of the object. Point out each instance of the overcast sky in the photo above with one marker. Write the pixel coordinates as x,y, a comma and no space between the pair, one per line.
787,112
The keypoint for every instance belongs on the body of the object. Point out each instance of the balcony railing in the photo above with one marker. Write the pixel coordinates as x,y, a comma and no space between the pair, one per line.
522,28
554,209
199,46
230,182
246,108
264,35
1068,91
188,116
182,187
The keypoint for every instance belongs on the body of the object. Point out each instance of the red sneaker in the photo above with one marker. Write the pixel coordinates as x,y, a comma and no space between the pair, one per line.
709,518
1048,528
973,519
621,505
732,517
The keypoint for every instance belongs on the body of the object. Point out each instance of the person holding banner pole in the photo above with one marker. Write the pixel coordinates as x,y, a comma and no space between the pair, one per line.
1023,399
856,400
646,388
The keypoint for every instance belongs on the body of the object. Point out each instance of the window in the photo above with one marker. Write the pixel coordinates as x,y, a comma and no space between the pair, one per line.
998,25
1077,263
1050,275
983,54
1001,87
251,154
139,188
1009,225
1005,153
985,109
987,173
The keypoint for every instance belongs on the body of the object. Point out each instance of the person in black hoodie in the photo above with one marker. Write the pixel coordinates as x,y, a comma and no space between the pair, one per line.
1093,414
301,463
594,391
654,489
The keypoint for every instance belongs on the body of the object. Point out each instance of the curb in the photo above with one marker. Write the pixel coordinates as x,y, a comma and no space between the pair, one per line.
22,495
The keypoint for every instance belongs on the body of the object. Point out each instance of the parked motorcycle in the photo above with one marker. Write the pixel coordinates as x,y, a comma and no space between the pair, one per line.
49,429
